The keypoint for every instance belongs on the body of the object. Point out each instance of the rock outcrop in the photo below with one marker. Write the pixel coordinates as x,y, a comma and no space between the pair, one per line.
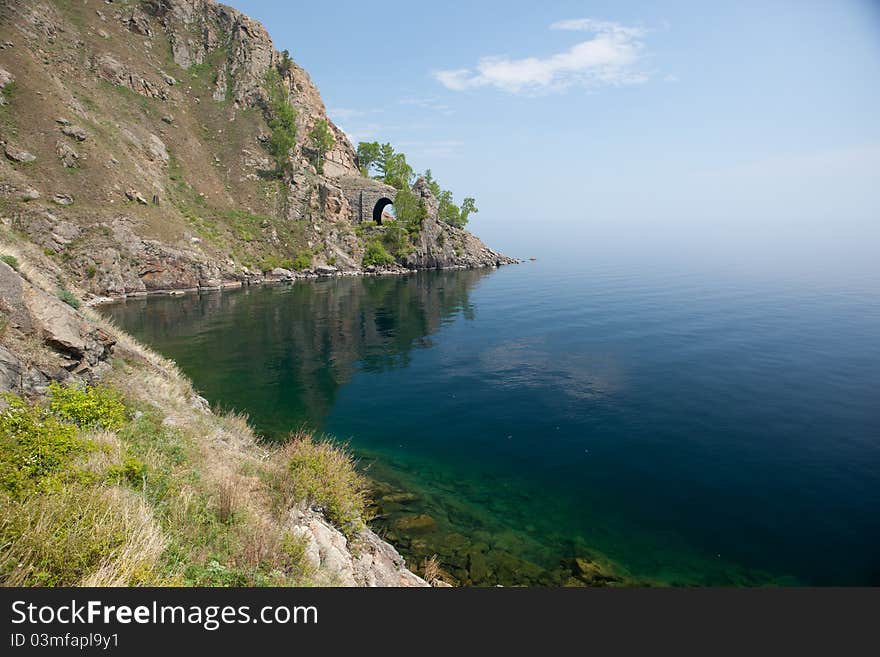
75,347
147,127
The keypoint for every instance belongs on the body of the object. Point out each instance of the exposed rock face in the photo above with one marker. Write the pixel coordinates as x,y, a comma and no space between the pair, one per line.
111,70
443,246
79,346
372,563
5,79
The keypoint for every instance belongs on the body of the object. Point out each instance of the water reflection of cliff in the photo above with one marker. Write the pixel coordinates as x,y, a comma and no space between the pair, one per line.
283,352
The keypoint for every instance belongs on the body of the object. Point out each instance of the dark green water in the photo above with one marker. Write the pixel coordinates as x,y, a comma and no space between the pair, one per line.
676,426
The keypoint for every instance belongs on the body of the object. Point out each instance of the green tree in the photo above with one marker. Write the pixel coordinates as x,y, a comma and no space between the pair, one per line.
468,207
368,155
410,210
447,210
322,140
282,121
392,167
383,161
286,63
398,173
433,185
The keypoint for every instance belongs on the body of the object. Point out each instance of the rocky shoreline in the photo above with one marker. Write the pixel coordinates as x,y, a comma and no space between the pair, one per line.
277,277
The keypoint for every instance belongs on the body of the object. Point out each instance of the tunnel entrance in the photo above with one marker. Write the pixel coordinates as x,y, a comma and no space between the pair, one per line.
383,211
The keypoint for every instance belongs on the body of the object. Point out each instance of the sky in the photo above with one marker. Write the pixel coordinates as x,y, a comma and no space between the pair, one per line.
583,123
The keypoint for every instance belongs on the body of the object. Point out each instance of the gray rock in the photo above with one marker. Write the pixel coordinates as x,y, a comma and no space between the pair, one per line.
18,155
65,232
134,195
156,150
30,194
5,78
282,273
66,153
325,270
75,131
62,199
10,371
36,313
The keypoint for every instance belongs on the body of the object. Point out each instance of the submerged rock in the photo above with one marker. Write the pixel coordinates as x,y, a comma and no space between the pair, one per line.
593,573
416,524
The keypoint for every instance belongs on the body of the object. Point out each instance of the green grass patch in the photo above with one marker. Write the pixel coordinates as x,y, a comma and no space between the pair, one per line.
68,297
12,261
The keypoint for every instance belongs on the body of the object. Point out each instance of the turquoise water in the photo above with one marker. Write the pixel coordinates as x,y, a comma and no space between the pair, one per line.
701,425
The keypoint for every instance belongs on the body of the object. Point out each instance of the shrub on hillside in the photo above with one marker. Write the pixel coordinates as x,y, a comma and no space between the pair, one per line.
302,261
376,254
35,446
68,297
87,407
322,474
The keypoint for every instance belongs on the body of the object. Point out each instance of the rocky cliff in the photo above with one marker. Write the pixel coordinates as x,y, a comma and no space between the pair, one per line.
135,140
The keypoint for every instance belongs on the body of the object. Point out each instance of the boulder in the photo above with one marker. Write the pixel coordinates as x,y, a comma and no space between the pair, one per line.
5,78
29,194
593,573
325,270
68,156
156,150
421,523
18,155
62,199
75,131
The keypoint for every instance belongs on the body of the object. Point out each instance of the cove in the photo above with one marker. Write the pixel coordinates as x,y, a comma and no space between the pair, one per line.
561,424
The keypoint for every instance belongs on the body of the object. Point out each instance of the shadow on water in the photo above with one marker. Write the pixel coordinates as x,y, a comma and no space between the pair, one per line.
281,353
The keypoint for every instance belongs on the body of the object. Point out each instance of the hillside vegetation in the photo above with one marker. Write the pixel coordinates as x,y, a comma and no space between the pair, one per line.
113,471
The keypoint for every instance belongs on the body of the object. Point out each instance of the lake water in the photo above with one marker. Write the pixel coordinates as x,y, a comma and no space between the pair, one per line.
700,425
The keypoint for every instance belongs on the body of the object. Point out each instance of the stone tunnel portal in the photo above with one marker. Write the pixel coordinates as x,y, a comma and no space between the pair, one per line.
380,208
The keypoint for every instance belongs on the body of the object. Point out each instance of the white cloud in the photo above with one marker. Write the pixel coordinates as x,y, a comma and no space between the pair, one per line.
432,104
344,113
609,58
432,149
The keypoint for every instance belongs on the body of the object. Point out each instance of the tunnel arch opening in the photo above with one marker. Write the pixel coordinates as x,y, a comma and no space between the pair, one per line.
384,209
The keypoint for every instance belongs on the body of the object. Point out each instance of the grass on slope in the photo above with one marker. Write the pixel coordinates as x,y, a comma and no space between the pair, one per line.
133,482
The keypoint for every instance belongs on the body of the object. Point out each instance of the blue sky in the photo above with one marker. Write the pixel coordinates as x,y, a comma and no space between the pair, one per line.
574,123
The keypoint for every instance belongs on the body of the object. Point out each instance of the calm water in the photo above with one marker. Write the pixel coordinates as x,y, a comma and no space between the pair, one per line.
704,425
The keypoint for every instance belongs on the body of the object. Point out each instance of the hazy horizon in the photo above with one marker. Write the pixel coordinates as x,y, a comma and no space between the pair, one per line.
575,125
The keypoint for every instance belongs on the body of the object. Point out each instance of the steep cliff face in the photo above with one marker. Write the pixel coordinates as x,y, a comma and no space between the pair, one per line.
135,138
